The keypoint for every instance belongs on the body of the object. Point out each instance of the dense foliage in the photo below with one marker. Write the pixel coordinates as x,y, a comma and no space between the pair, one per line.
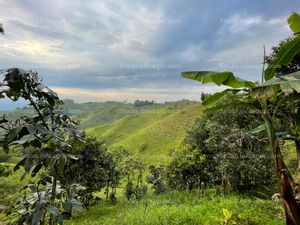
278,91
293,66
133,170
156,179
90,168
221,150
53,150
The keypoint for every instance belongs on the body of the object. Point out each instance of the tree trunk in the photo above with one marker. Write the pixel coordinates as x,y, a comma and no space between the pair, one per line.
287,185
285,180
297,189
53,196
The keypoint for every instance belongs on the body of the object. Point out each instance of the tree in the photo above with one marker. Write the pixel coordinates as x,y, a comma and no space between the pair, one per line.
293,66
90,168
43,141
220,150
119,155
203,96
133,171
157,179
266,98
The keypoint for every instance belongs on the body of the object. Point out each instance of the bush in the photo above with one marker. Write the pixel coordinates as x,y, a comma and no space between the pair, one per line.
91,168
156,179
5,169
133,171
220,150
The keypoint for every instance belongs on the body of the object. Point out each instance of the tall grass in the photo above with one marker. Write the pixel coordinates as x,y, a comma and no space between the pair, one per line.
183,208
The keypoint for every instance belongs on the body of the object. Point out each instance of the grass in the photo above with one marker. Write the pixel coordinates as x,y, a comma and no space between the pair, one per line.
11,185
151,135
11,157
182,208
126,126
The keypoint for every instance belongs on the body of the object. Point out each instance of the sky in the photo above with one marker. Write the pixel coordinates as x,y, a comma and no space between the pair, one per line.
100,50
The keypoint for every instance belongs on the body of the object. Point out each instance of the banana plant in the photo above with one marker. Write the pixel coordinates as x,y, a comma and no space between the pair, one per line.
267,98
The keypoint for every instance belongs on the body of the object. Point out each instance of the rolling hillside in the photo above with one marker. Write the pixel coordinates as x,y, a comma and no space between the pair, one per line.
151,129
152,134
89,113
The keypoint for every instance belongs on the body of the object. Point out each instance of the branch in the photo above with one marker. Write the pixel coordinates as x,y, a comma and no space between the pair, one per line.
38,111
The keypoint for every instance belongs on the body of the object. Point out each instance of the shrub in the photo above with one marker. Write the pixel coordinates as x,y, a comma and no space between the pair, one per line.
220,150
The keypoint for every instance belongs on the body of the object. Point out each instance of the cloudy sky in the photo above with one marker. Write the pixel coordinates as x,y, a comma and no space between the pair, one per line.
126,50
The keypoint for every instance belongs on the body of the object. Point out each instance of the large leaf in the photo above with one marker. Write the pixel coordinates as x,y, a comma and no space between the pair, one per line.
38,215
232,105
19,164
53,210
215,97
294,22
287,84
73,203
13,134
219,78
266,92
258,129
285,55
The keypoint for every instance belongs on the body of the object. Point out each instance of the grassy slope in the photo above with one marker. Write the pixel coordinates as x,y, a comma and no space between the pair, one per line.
159,131
11,185
183,208
93,113
89,113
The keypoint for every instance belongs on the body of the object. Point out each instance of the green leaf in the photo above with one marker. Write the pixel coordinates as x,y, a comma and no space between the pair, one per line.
233,104
215,97
36,169
288,84
227,214
76,205
219,78
266,92
285,55
32,187
23,140
53,210
19,164
37,216
297,120
60,163
13,134
294,22
258,129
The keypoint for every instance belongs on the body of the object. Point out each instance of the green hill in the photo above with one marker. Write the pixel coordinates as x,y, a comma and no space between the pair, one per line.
152,134
151,129
91,114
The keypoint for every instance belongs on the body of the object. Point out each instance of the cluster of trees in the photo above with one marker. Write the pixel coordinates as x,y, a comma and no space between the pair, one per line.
69,166
142,103
222,151
276,99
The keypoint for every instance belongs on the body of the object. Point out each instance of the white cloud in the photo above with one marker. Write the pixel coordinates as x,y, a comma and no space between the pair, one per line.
131,94
76,44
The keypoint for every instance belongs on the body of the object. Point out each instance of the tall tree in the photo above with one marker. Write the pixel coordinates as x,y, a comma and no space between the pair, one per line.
43,139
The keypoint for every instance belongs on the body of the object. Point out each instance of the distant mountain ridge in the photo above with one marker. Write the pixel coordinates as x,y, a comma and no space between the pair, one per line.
91,114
